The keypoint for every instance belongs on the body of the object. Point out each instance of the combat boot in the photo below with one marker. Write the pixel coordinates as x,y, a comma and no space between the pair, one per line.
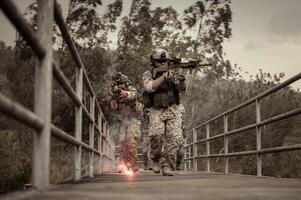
166,171
156,168
178,166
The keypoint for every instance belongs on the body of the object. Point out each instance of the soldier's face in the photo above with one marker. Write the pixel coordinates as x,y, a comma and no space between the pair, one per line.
121,84
161,63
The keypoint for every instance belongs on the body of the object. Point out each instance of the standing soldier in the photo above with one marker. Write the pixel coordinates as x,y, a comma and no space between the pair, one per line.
124,101
162,98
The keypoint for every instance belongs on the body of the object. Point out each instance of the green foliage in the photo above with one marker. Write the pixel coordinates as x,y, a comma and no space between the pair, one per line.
7,54
89,28
15,169
212,20
143,30
134,41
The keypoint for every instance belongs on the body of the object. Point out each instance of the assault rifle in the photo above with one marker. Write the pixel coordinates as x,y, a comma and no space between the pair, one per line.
116,93
177,63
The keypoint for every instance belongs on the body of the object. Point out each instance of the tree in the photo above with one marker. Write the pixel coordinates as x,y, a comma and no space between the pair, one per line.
134,41
87,26
142,31
212,19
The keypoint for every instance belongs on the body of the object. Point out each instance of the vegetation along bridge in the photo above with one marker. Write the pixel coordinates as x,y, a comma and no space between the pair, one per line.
100,182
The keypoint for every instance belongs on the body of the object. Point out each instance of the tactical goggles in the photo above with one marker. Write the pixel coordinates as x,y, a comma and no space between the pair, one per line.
161,61
120,82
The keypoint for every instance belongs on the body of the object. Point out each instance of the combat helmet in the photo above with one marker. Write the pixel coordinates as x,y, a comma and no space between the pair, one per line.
120,78
159,55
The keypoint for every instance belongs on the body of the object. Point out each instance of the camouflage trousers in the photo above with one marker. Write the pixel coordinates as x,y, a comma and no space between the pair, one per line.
129,134
130,129
165,134
180,156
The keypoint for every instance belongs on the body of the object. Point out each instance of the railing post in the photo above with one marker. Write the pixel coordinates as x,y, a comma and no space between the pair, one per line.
43,91
258,138
226,144
208,146
109,146
195,149
112,152
91,135
78,123
185,154
99,143
104,147
189,154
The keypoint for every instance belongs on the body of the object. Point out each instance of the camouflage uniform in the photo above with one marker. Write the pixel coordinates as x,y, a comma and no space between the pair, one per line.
145,152
165,131
130,129
129,117
129,111
180,153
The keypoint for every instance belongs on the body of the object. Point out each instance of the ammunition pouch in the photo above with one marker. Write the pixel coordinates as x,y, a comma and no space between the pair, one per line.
164,99
147,99
161,99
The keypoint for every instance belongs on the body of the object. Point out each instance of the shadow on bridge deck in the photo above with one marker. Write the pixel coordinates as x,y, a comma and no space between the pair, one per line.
185,185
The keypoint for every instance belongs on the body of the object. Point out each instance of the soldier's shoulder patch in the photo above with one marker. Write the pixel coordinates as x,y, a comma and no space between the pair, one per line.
147,74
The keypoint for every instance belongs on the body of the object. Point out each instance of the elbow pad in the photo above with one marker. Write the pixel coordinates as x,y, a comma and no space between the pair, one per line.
149,87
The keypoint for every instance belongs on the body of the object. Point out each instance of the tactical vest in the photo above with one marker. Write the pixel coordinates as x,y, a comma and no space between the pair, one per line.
166,95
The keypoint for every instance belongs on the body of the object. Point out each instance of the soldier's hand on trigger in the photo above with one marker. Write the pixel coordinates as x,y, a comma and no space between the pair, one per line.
167,75
123,94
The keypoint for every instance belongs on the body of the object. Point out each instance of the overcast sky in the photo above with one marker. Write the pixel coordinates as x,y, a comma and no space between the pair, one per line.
266,33
267,36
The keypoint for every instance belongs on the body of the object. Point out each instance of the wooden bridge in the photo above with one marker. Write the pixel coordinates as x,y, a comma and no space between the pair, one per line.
184,185
102,182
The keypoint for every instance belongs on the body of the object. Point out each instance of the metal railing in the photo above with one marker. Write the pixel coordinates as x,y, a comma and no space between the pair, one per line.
191,150
40,120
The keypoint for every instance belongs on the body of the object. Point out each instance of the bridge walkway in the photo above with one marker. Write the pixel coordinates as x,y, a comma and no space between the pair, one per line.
184,185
